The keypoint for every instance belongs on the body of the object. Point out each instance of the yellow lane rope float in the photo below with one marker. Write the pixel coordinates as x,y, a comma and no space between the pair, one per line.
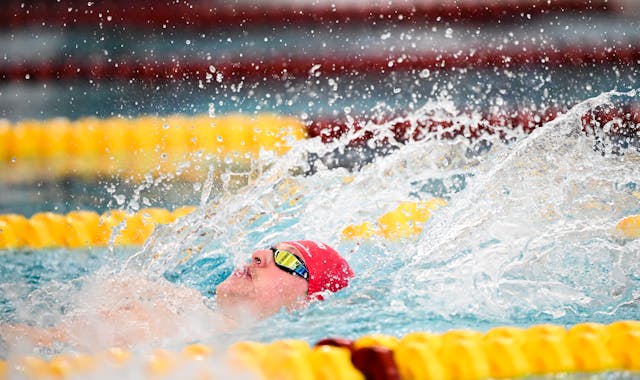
629,227
119,145
404,221
88,229
83,228
408,218
502,352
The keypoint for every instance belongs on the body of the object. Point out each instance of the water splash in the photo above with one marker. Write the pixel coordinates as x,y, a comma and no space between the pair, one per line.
531,236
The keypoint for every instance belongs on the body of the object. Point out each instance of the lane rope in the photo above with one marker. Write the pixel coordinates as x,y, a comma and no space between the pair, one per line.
501,352
132,146
83,228
88,229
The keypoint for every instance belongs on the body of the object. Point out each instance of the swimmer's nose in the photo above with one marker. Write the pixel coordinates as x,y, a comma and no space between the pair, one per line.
260,258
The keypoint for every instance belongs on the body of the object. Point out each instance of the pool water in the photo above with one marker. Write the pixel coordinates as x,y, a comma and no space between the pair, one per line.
527,237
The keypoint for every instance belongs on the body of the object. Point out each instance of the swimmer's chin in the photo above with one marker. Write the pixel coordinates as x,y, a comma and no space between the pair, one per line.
240,314
245,313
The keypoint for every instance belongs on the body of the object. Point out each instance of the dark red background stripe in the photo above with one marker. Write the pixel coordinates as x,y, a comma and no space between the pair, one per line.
625,122
300,66
209,15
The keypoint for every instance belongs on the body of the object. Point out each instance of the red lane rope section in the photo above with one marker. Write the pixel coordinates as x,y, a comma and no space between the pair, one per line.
622,122
211,15
279,67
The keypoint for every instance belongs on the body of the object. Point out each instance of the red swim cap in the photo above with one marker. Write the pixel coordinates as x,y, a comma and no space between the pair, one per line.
327,269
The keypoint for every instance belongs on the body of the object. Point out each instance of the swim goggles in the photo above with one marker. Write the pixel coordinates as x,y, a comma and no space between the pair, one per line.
290,263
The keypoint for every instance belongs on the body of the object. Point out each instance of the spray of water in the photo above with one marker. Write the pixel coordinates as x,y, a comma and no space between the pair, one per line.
532,236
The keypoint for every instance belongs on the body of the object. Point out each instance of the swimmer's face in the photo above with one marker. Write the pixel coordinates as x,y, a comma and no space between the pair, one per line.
261,288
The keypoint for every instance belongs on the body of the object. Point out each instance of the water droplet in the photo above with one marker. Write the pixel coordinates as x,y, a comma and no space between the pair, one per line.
448,33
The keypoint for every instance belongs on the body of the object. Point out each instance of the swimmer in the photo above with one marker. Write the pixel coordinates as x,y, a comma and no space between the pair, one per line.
287,275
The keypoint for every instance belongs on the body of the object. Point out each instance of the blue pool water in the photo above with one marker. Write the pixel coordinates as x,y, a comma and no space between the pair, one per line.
527,237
